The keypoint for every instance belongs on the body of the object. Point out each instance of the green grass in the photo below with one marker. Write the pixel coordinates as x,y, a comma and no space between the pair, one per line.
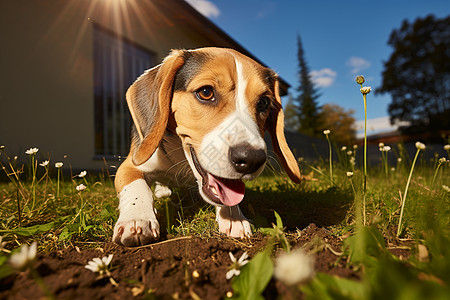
30,210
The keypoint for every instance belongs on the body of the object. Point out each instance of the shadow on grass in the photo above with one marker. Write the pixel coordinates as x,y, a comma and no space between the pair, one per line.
297,208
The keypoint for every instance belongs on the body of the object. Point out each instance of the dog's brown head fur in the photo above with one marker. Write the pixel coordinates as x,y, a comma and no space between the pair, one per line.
216,100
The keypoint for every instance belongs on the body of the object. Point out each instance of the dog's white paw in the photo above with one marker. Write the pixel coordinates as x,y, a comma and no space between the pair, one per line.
132,233
162,191
232,222
137,224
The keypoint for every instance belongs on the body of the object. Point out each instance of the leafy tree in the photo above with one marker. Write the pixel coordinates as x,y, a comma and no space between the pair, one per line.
417,75
306,104
341,122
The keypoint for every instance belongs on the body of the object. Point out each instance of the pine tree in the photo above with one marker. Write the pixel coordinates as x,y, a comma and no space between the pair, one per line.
291,114
306,104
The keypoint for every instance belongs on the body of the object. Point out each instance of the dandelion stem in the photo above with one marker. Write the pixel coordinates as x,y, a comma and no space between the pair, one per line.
357,206
57,186
33,183
19,212
169,225
399,229
331,159
365,158
435,174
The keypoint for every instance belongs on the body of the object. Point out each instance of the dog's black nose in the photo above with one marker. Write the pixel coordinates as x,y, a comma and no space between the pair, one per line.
246,159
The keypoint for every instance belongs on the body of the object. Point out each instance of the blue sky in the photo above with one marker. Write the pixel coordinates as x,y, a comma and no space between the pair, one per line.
341,39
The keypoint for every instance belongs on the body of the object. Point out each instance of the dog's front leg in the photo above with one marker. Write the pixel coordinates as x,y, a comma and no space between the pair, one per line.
232,222
137,223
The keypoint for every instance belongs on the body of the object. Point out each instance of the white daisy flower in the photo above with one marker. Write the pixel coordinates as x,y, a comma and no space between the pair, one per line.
44,163
326,132
82,174
32,151
58,165
235,268
81,187
295,267
365,90
442,160
420,146
21,260
98,265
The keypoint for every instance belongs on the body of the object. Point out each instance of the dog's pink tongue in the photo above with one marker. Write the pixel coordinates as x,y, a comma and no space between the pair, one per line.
230,192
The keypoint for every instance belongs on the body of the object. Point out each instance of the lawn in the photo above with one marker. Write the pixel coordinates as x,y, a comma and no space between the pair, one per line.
325,238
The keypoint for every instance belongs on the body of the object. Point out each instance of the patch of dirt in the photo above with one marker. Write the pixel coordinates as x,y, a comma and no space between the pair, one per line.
179,268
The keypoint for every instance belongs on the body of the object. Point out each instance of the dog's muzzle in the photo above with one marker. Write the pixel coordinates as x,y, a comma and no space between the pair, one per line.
230,192
222,191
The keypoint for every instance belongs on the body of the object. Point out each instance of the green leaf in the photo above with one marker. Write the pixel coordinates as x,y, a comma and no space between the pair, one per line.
5,269
266,231
68,231
365,245
279,221
31,230
254,277
325,286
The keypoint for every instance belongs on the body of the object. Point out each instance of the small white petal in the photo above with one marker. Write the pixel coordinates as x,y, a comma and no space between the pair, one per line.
98,261
242,258
233,259
18,260
82,174
107,259
93,268
229,274
32,251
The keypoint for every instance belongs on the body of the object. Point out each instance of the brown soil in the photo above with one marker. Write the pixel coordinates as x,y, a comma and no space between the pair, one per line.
178,268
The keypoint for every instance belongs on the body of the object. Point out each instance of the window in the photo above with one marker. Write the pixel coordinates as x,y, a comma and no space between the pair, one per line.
117,64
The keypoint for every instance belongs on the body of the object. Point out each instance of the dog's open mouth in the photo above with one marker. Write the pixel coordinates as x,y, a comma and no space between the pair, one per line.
229,192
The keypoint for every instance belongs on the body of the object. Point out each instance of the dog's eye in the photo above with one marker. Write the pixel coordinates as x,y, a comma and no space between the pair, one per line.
205,93
263,104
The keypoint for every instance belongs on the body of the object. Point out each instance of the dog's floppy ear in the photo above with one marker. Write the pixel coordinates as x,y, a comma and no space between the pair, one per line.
275,127
149,99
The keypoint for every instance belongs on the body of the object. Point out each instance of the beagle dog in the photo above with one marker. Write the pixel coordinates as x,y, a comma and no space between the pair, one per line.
199,120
